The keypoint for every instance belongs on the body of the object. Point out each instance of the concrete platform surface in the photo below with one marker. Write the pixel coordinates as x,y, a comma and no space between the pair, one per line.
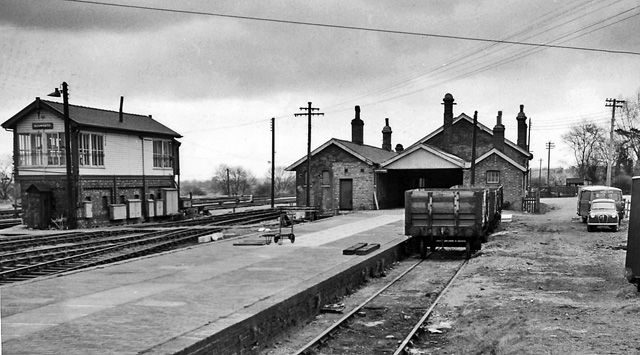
168,302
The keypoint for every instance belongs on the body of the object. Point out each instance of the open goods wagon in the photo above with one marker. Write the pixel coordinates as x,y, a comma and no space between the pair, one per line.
456,217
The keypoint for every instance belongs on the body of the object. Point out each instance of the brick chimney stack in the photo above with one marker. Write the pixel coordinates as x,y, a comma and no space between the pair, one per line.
522,129
448,110
498,133
357,128
448,119
386,135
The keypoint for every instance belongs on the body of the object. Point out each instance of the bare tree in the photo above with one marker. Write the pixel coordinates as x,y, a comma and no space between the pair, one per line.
284,183
588,142
6,177
628,126
233,180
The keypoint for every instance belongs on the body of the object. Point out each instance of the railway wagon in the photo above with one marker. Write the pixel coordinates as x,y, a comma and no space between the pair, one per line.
456,217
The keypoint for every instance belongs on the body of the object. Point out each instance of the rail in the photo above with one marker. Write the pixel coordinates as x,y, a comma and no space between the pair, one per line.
354,335
140,244
10,213
227,202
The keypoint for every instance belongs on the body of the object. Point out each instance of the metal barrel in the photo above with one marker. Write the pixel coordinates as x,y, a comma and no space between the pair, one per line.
632,262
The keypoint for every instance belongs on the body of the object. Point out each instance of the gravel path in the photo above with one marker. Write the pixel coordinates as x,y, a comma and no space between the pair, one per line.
542,285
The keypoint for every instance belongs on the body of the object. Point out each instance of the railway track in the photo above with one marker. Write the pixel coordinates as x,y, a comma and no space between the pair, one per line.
238,218
26,264
36,241
26,257
9,222
388,321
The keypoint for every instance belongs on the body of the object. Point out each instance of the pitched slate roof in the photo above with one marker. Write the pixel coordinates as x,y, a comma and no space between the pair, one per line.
368,154
97,118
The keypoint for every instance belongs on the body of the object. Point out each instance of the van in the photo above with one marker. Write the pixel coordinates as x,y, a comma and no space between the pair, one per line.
590,193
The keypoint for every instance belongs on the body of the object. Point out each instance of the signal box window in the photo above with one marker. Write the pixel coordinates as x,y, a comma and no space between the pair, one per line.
90,149
55,149
162,157
30,149
493,176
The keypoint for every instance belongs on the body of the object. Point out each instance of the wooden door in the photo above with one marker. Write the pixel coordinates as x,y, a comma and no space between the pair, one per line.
45,210
346,194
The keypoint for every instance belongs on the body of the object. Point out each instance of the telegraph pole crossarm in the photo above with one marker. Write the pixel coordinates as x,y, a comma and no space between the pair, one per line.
309,113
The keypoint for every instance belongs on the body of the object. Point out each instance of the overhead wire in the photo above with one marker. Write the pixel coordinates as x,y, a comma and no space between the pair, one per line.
493,42
505,60
470,56
356,28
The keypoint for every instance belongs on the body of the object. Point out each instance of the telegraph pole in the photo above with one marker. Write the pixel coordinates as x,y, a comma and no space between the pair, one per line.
550,145
540,175
309,112
473,149
273,159
529,187
613,103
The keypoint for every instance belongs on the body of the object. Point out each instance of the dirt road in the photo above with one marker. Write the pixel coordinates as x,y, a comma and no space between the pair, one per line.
542,285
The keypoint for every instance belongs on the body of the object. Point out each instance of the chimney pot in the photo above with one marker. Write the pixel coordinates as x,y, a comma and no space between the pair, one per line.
498,133
357,128
522,129
448,120
386,136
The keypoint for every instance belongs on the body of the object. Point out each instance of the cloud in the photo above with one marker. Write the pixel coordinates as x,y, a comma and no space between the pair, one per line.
75,17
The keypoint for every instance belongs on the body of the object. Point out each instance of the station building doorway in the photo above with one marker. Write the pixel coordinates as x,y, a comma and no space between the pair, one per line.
421,166
393,183
38,207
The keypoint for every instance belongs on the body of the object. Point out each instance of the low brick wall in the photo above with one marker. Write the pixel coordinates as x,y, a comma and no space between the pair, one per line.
251,334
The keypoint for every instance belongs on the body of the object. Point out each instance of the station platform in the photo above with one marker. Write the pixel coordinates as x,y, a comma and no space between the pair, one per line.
209,298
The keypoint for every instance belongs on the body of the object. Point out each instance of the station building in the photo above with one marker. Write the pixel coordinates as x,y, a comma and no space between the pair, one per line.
349,175
124,167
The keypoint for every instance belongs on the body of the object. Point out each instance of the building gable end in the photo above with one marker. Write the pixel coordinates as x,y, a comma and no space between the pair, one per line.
321,148
503,156
424,157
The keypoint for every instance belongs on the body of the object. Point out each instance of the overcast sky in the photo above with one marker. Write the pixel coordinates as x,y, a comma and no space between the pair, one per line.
218,80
